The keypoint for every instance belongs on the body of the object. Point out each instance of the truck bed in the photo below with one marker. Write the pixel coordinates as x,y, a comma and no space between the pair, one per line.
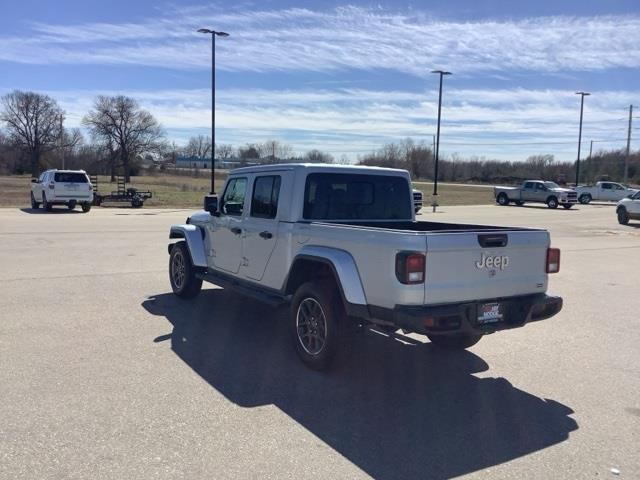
440,227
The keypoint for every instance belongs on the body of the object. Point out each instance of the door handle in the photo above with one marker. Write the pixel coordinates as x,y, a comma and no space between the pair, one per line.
236,230
266,235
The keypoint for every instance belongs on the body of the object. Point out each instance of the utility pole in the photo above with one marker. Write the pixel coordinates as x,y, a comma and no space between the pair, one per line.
626,158
62,140
213,34
442,73
582,95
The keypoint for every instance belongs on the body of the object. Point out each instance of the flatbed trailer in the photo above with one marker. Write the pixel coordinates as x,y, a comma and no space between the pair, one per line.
129,195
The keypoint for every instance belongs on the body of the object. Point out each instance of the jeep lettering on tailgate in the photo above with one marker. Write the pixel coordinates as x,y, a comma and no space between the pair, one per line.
489,261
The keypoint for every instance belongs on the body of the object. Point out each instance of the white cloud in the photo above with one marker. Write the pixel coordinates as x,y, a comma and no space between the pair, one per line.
352,121
343,38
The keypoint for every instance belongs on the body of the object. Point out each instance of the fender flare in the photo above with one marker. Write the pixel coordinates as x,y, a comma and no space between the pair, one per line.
194,237
344,268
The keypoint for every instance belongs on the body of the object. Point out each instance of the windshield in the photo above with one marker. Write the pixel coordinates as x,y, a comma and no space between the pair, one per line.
551,185
339,196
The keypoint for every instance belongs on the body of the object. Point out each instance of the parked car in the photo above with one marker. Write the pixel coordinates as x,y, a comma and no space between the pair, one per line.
62,187
628,209
537,191
340,246
417,200
607,191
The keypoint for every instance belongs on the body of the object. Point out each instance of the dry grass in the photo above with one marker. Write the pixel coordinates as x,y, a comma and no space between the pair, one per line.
176,191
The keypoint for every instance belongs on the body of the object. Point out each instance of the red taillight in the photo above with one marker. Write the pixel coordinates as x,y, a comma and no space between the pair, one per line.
410,267
52,184
553,260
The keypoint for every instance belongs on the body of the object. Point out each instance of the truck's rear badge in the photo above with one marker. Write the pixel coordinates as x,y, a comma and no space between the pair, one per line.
493,261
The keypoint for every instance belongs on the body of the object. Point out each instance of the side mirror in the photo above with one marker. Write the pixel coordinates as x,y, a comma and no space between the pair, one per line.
211,204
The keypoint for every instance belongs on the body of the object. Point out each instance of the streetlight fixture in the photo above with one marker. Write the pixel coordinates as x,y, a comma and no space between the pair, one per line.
442,73
582,95
213,34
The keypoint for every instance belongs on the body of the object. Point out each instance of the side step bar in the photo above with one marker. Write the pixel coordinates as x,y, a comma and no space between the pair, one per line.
273,299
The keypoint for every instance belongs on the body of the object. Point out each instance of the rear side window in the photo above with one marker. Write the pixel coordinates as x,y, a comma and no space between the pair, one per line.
70,177
528,185
606,186
264,203
339,196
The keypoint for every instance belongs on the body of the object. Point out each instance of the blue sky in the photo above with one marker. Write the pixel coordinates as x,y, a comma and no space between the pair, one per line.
343,77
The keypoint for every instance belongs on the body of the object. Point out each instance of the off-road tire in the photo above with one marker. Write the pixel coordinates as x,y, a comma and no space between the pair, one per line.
86,207
585,198
339,330
34,205
458,341
623,216
502,199
552,202
185,284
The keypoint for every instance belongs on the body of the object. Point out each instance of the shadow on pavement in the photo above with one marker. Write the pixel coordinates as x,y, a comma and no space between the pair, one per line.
542,206
54,210
396,410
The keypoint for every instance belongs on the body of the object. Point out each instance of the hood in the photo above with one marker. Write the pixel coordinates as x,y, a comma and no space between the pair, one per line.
562,190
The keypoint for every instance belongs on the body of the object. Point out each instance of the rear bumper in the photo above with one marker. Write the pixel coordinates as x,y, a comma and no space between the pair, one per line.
463,317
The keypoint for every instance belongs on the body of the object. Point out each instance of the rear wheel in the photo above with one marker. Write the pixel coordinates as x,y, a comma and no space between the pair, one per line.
320,329
459,341
34,205
552,202
71,205
503,199
182,273
623,216
519,203
46,205
585,198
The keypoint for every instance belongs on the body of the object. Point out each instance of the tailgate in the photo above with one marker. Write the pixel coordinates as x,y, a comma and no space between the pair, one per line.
485,265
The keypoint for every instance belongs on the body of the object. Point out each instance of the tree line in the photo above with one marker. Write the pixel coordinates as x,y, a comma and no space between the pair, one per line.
123,136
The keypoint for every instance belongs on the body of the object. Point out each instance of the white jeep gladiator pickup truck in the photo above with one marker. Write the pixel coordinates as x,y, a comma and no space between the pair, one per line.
536,191
607,191
341,247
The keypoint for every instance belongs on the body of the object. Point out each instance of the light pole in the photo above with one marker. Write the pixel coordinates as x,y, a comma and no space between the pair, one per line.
442,73
582,95
213,34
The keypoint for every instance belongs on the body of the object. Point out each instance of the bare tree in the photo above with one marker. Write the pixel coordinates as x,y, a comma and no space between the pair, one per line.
199,147
33,124
122,124
317,156
224,152
272,151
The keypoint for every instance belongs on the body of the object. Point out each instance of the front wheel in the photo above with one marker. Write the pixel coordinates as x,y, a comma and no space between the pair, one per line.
623,216
458,341
503,199
34,205
585,198
182,273
552,202
319,326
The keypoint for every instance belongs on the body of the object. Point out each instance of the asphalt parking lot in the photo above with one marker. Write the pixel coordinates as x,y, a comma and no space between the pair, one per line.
105,374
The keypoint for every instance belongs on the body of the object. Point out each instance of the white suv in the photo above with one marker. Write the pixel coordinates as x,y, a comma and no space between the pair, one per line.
628,209
62,187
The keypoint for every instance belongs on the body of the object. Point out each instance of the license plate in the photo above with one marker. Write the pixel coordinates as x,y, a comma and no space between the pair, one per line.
71,186
489,313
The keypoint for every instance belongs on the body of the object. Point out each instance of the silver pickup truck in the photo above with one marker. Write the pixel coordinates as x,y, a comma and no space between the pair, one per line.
536,191
340,247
